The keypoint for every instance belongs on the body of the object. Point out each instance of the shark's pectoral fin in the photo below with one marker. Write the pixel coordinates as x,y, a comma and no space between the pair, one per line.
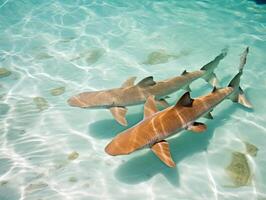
148,81
163,103
208,115
161,149
150,106
119,113
187,88
211,79
129,82
197,127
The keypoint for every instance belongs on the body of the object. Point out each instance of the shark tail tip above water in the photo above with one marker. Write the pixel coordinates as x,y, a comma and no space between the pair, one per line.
239,96
209,68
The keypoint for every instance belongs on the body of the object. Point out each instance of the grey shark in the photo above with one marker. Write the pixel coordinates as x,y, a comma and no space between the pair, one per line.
117,99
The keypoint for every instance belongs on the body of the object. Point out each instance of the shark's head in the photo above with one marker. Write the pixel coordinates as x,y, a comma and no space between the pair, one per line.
121,144
128,141
91,100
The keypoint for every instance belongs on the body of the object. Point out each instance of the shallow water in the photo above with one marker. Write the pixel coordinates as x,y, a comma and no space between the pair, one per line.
93,45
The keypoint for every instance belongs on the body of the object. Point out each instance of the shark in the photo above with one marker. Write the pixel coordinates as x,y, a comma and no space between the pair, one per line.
157,125
117,99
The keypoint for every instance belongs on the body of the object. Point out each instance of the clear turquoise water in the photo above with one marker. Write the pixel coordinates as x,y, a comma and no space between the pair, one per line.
93,45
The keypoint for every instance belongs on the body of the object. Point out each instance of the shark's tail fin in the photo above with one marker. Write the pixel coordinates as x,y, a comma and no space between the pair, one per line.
210,76
238,94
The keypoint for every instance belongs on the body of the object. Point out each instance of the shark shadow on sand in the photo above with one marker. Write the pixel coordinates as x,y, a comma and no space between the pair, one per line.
108,128
142,168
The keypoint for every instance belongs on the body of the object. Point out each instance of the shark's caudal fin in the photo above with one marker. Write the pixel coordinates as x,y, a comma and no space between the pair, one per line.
210,76
238,94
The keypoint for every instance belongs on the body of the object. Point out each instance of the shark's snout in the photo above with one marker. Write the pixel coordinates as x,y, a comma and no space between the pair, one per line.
111,150
75,101
121,145
115,149
86,100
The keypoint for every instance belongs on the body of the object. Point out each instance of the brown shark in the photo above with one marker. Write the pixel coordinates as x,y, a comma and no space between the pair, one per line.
158,125
129,94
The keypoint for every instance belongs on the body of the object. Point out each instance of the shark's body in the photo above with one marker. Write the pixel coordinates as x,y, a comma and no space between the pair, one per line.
157,126
130,94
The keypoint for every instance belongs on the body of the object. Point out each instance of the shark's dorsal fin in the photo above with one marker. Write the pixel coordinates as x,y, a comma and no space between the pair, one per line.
129,82
119,113
150,106
161,149
184,72
148,81
185,100
197,127
214,89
